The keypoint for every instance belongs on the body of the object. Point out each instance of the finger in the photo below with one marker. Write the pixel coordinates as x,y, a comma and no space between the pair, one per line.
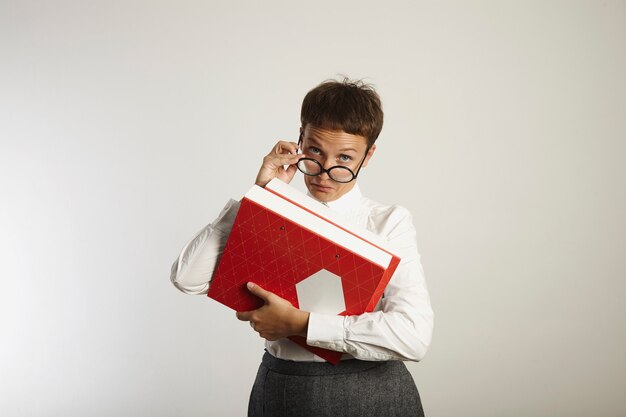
273,162
291,171
286,145
280,160
244,315
283,147
259,292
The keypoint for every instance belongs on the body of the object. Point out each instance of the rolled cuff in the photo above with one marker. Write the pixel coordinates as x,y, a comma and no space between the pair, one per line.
326,331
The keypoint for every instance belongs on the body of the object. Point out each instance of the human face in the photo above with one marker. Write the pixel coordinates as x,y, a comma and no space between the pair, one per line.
331,148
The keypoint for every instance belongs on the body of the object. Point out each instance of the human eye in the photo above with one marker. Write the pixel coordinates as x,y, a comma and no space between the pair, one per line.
345,158
314,150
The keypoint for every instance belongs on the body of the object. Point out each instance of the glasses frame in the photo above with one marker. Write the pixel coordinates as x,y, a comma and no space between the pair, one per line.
327,171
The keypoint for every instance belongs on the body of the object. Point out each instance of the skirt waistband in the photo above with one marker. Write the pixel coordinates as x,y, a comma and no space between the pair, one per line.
347,366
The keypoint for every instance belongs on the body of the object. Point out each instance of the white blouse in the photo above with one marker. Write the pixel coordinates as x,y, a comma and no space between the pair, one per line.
400,327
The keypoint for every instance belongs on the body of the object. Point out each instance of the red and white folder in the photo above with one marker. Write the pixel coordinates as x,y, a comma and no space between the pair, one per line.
285,241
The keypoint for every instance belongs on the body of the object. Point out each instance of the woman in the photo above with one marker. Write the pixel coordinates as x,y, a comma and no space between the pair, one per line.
341,121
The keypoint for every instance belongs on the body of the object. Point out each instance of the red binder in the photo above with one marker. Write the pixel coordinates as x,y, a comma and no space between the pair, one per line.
281,237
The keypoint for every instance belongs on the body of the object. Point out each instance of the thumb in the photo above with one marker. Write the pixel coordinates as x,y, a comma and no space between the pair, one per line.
258,291
290,172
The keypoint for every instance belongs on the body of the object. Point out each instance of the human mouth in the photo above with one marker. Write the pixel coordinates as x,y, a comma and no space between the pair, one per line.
322,188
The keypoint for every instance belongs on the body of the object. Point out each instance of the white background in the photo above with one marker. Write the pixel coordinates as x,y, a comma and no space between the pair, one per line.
126,125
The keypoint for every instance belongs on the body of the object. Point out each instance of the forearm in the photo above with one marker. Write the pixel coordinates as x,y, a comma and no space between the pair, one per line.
193,269
401,328
372,336
300,323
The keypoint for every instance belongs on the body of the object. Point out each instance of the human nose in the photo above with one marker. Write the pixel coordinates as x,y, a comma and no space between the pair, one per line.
326,165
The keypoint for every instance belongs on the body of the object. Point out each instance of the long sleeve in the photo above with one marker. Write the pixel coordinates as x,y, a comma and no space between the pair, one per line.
402,326
193,270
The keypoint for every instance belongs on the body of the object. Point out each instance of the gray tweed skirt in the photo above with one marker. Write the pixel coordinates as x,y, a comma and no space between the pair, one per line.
352,388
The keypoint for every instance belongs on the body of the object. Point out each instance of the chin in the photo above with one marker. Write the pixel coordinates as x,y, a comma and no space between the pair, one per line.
324,194
321,196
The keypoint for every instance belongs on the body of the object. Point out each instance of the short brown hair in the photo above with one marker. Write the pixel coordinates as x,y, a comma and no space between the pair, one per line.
351,106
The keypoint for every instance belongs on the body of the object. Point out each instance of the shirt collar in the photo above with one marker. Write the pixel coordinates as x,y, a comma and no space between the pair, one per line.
347,202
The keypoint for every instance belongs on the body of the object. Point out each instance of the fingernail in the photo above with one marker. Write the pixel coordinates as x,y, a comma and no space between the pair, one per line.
250,285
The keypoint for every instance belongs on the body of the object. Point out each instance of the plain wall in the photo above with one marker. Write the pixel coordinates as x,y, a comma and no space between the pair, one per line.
125,126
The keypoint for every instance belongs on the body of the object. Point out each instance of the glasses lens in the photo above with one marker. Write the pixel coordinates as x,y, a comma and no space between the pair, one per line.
309,166
341,174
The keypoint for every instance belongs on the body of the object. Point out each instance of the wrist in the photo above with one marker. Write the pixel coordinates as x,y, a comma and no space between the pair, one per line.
300,324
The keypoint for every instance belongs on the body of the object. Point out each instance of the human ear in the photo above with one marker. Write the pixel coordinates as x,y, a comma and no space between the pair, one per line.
369,155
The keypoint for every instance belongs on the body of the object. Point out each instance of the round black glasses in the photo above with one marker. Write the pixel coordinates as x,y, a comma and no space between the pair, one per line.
338,173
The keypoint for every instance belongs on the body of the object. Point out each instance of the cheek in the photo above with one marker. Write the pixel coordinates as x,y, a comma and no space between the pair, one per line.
307,182
340,189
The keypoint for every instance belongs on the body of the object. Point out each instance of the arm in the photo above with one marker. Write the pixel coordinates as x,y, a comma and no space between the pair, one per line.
401,329
193,269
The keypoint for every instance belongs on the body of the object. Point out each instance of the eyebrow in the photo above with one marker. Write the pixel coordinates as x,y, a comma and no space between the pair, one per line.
315,142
